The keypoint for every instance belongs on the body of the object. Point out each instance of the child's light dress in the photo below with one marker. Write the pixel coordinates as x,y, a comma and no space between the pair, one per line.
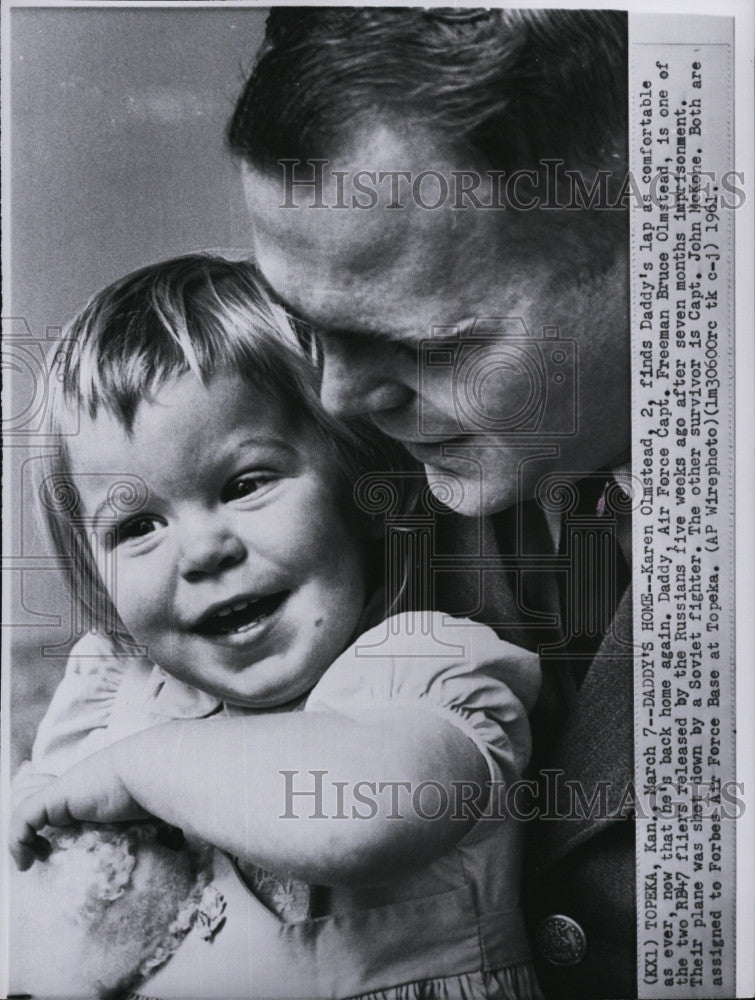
452,929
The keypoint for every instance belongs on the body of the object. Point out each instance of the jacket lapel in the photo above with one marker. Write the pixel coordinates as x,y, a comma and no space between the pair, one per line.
594,749
594,744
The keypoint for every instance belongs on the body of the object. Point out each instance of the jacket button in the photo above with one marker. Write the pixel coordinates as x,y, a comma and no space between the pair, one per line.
560,940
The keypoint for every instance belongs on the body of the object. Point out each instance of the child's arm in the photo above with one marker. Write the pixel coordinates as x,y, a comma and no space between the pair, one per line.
432,715
222,781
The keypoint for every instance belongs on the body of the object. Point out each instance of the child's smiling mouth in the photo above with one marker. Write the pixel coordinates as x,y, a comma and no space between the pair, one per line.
239,615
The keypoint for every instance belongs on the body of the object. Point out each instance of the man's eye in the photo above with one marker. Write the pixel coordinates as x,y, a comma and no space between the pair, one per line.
247,486
138,527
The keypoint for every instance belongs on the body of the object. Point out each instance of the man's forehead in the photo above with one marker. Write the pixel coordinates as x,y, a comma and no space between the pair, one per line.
380,176
387,271
338,279
361,239
341,269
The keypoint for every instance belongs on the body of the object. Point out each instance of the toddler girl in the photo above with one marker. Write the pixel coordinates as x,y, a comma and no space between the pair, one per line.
242,682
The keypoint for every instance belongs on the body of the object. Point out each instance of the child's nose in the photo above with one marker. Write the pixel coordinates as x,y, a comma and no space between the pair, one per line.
210,552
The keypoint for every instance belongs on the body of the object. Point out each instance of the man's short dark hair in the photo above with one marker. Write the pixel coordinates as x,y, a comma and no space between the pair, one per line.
512,87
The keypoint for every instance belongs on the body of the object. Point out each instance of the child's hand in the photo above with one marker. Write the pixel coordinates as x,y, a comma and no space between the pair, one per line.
91,791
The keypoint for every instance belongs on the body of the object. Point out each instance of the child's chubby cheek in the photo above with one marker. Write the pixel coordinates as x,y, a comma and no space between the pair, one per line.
145,608
96,916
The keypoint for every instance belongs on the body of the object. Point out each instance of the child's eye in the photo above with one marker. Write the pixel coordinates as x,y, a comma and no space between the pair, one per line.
247,486
136,528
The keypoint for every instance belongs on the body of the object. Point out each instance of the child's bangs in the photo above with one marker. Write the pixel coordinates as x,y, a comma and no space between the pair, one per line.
196,314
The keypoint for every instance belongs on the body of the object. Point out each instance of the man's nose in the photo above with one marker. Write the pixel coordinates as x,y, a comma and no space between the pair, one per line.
358,377
209,551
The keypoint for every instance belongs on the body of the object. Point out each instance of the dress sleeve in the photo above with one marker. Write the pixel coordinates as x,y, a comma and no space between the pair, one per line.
77,719
458,669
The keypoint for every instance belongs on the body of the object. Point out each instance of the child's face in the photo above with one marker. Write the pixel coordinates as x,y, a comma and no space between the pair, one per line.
240,574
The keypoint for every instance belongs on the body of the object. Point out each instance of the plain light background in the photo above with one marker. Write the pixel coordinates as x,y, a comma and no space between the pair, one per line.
116,132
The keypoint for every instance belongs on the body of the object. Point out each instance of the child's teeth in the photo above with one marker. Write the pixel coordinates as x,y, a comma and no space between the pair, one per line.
244,615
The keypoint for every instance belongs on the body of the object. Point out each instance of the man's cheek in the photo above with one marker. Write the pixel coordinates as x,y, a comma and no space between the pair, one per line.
497,394
438,389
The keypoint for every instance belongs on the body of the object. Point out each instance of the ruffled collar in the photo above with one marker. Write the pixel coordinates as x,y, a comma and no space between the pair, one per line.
173,699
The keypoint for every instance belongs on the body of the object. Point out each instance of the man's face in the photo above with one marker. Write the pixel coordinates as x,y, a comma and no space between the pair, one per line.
439,324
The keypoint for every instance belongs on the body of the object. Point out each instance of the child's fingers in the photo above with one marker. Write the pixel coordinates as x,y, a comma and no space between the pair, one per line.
26,846
23,837
32,815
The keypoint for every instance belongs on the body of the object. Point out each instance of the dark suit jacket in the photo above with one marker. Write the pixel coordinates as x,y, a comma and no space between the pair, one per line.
584,866
579,866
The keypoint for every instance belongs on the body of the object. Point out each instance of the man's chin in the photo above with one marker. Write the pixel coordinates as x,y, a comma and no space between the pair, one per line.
470,496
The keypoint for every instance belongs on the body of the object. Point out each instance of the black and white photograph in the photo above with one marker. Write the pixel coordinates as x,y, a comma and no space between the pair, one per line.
378,538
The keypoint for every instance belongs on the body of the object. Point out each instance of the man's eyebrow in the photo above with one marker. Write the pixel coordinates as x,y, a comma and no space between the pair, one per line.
439,331
316,327
353,330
